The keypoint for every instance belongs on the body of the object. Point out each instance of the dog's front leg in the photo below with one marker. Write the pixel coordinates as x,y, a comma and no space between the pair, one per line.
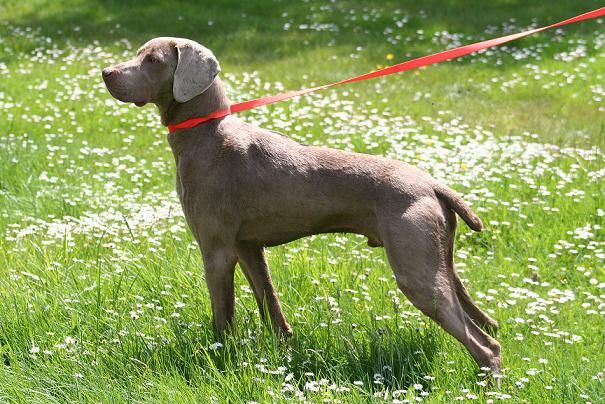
219,266
254,265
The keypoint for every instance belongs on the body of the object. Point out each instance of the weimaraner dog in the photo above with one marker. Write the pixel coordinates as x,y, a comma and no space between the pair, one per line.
244,188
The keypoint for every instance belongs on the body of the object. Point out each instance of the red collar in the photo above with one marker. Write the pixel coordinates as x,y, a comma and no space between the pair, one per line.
192,122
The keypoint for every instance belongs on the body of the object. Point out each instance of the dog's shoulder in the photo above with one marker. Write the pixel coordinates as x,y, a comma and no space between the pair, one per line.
238,132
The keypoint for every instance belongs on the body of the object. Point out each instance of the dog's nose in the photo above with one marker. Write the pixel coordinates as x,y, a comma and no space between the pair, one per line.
107,72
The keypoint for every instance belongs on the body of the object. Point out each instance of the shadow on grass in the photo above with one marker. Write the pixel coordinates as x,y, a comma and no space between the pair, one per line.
253,32
379,358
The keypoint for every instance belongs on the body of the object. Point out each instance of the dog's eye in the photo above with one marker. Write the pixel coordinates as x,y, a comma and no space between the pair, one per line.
152,59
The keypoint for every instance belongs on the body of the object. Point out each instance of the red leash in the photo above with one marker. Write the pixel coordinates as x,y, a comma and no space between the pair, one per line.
401,67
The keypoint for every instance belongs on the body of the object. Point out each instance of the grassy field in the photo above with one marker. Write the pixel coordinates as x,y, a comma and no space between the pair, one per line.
102,296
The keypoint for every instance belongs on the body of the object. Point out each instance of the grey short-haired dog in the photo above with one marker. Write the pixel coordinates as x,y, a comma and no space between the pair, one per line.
243,188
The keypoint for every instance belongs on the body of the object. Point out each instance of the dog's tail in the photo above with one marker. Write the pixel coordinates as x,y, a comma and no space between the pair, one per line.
454,201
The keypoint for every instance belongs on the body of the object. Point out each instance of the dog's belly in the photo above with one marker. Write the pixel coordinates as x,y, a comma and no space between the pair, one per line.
279,229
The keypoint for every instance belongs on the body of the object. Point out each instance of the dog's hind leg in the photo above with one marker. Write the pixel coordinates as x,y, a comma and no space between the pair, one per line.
470,307
254,265
415,241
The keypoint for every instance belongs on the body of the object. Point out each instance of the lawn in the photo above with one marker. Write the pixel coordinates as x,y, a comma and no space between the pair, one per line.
102,289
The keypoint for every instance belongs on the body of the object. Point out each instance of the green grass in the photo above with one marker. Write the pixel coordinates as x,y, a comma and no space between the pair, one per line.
103,296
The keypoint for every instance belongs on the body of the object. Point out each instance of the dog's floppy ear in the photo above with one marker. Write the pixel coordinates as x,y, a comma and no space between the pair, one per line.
195,71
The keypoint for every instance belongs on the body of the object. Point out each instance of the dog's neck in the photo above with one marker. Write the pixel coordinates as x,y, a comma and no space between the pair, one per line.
213,99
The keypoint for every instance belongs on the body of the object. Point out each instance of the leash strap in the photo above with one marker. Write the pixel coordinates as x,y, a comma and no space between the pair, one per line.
401,67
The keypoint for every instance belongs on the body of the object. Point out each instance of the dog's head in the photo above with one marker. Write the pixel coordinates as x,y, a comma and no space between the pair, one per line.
163,69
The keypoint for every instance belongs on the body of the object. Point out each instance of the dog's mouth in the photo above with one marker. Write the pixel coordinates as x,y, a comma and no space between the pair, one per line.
119,95
122,92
